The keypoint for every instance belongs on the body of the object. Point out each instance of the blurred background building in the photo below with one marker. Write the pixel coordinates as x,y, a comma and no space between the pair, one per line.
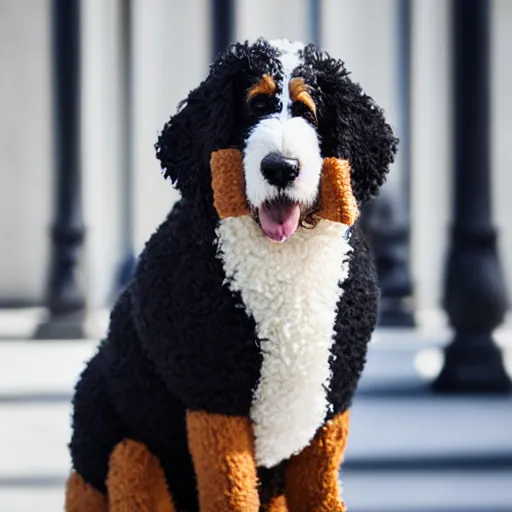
138,59
169,54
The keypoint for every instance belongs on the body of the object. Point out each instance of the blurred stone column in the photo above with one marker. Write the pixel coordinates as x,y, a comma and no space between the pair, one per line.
386,220
65,296
129,261
223,30
315,14
475,296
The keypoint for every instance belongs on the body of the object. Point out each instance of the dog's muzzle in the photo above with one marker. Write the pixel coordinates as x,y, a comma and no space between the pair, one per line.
280,216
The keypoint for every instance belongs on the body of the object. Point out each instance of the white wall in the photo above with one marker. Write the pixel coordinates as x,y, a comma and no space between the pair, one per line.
272,19
25,150
502,131
171,56
431,148
102,145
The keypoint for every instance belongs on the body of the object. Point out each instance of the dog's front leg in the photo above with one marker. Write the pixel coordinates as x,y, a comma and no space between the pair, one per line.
222,449
311,480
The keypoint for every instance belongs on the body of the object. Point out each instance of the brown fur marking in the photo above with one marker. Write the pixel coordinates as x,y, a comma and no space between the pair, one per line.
311,478
81,497
228,183
299,91
222,449
337,202
278,504
265,85
136,482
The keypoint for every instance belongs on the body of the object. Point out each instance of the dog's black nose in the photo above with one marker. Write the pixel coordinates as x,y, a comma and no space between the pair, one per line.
278,170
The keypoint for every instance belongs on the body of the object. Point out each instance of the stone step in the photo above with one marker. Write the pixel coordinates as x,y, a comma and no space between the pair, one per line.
408,451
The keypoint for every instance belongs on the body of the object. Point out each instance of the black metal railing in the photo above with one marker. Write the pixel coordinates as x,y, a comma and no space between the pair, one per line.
222,25
65,296
475,297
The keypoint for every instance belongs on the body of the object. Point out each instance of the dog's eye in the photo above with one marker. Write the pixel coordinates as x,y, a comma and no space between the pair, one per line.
263,104
300,109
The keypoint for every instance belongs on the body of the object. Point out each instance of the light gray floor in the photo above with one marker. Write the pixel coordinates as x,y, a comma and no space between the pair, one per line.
409,451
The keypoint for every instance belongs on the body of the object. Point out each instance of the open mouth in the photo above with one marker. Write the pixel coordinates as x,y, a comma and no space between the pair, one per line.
279,218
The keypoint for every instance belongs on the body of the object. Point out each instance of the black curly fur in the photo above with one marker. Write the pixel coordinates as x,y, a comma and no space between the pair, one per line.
351,125
213,117
195,330
179,338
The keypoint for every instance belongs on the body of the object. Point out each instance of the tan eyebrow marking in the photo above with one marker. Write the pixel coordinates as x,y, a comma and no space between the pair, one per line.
299,91
265,85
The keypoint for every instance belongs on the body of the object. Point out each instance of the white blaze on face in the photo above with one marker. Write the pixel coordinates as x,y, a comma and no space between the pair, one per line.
289,61
290,289
293,137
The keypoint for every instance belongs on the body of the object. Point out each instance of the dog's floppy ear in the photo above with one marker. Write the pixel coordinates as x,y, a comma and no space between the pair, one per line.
205,122
354,128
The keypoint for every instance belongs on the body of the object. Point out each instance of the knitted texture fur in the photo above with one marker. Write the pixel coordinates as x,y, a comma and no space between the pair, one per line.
195,378
299,91
337,200
312,476
82,497
266,85
223,451
136,481
228,183
278,504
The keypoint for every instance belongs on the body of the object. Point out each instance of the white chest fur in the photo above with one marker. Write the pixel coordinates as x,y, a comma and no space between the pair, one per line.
292,290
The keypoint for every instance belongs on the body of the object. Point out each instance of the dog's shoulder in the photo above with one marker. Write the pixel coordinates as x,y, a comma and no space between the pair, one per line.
181,238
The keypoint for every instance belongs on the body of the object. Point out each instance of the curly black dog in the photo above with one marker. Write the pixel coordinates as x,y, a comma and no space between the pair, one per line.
231,360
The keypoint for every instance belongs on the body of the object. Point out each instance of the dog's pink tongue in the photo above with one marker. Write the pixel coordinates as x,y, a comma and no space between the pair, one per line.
279,221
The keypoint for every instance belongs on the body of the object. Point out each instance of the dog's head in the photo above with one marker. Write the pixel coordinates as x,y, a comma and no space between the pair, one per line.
287,110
